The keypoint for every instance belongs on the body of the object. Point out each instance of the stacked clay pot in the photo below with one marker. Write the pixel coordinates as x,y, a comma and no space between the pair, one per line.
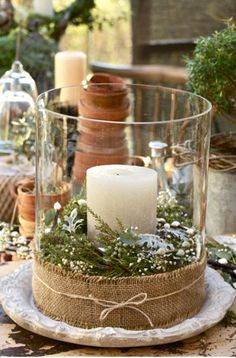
99,142
25,194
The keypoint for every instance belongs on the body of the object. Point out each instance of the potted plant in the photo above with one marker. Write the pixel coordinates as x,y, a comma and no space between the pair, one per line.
212,74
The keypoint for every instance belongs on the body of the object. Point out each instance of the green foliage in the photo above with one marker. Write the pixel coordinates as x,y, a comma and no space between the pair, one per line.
218,251
7,53
36,55
212,70
49,216
223,258
116,253
81,209
126,254
169,209
78,13
40,38
24,134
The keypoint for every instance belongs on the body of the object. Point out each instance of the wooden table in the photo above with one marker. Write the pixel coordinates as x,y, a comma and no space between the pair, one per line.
15,341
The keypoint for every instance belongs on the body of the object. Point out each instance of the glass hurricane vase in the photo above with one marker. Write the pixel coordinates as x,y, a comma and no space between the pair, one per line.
128,162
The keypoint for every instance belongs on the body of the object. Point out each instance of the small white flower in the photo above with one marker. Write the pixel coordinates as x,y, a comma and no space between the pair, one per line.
175,224
22,250
161,251
223,261
14,234
161,220
190,231
166,226
180,252
82,202
47,230
22,240
186,244
57,206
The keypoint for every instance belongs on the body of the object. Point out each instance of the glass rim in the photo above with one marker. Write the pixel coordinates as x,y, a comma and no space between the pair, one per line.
170,90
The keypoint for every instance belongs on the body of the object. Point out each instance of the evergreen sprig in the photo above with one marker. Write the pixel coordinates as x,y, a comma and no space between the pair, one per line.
223,259
116,253
169,209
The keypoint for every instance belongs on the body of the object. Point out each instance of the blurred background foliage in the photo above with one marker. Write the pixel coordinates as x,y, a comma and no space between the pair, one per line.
111,31
113,44
42,37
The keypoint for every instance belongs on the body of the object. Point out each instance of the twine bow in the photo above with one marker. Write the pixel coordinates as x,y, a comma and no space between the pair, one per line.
131,303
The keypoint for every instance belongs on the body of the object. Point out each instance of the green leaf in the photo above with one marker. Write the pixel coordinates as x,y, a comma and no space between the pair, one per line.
49,216
223,255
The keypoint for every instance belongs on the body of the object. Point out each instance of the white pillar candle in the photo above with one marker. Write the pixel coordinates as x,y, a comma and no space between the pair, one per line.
43,7
124,192
70,70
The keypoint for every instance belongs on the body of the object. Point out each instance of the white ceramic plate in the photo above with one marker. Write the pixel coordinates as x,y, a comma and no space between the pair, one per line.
17,301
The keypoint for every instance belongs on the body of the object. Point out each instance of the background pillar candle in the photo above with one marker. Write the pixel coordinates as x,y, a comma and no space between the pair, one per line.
70,70
124,192
43,7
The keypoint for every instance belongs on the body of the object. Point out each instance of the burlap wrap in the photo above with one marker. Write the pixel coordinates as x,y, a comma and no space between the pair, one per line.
55,292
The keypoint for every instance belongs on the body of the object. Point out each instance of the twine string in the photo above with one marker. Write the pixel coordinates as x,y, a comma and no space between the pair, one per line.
222,162
131,303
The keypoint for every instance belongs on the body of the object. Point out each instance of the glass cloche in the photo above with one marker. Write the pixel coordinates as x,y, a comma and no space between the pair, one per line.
16,111
25,81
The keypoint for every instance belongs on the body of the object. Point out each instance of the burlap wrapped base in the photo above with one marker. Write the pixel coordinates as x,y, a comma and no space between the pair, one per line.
161,300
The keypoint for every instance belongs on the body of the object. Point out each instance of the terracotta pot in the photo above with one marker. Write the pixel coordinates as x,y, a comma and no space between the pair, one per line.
117,113
26,202
136,160
101,143
101,129
83,161
27,212
105,97
114,101
101,84
92,159
104,150
84,164
27,228
102,77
